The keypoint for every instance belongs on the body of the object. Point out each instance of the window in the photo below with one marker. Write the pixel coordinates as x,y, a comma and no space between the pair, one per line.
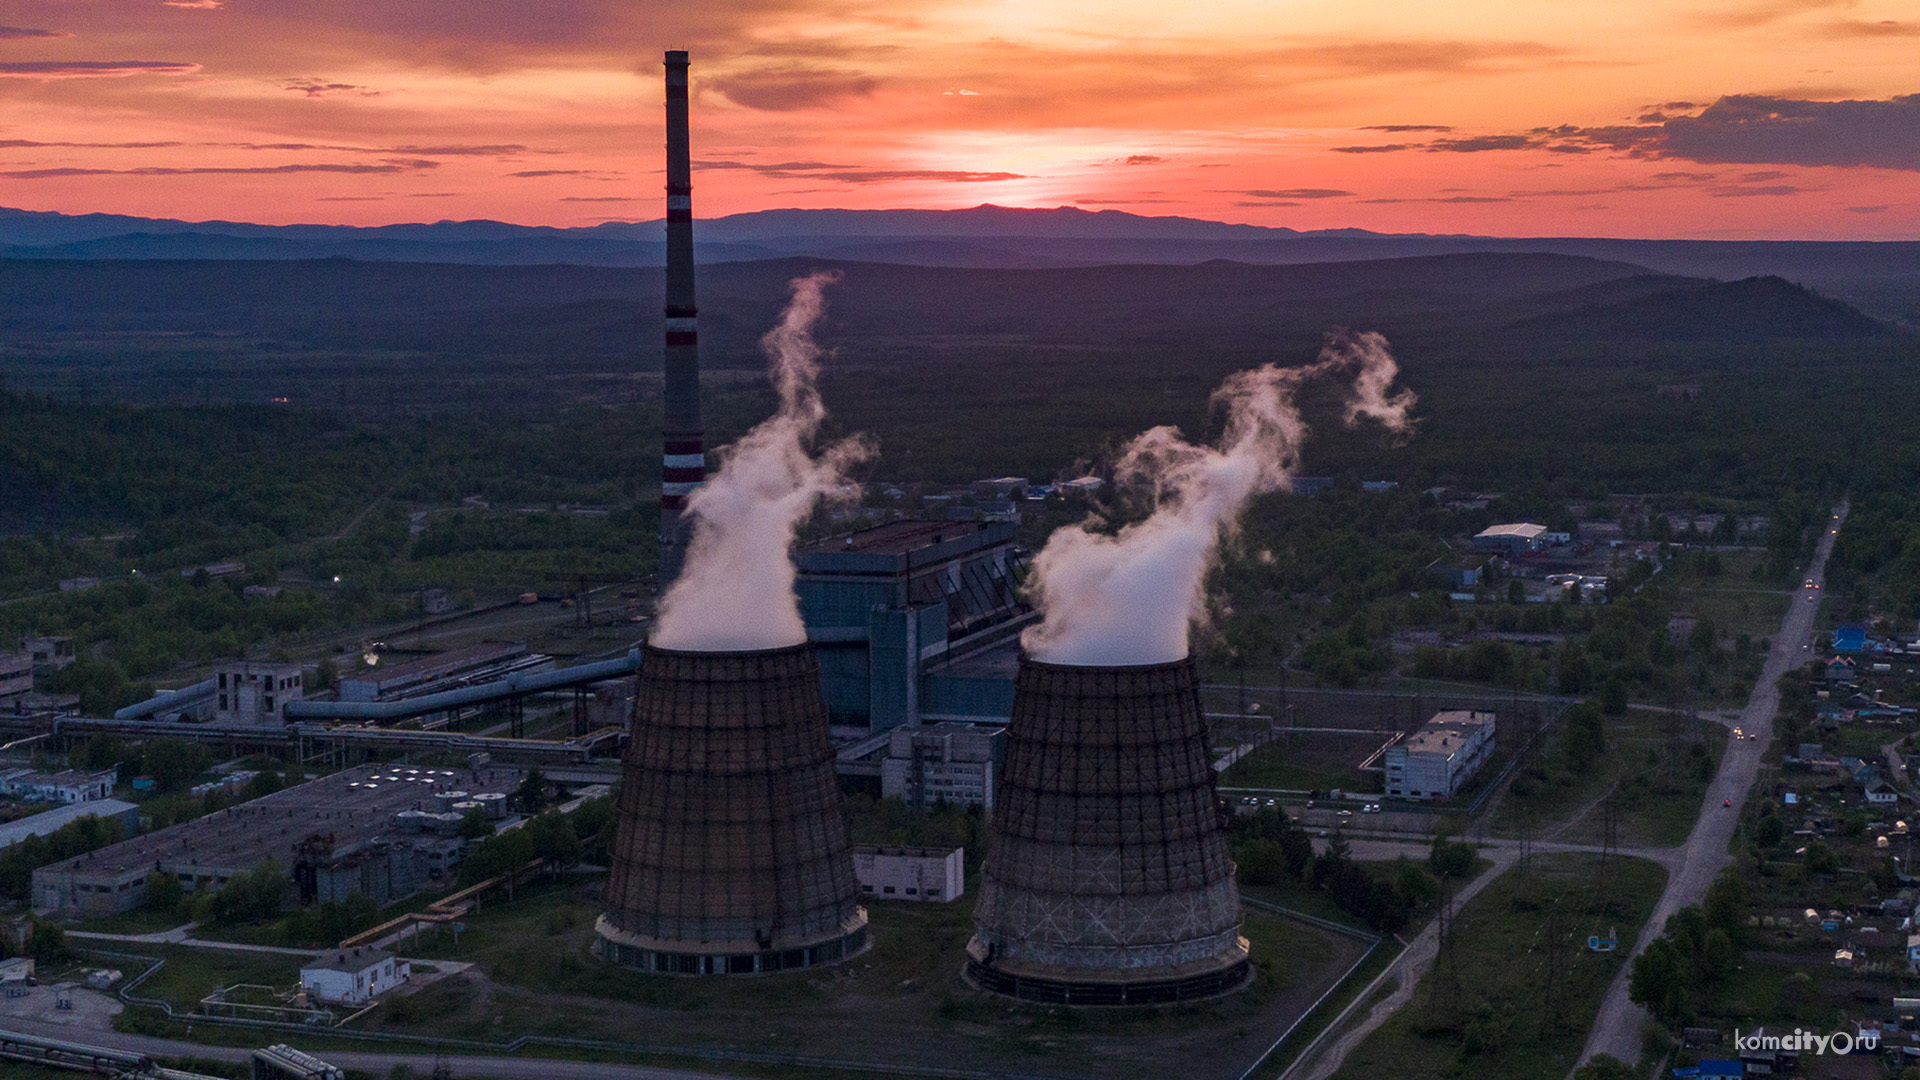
913,892
223,703
888,890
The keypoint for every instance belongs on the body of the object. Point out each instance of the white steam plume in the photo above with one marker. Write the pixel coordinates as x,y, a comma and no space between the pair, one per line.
1131,598
735,592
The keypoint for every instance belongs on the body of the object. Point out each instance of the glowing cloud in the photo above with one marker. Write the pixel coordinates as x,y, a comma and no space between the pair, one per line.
1131,597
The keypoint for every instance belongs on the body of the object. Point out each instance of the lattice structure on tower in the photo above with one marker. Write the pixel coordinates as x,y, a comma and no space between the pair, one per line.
1109,881
731,852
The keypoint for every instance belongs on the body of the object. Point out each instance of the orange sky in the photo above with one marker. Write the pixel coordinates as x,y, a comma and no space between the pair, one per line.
1703,118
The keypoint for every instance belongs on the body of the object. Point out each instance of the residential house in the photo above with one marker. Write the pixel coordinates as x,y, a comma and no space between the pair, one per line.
354,976
1880,793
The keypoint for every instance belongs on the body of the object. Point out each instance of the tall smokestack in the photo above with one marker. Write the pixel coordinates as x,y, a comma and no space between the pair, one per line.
684,466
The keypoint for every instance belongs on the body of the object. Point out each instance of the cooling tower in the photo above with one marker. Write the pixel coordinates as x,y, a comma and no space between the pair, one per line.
1108,882
730,855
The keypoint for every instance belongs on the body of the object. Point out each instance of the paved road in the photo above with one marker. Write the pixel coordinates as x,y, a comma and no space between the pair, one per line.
376,1062
1616,1030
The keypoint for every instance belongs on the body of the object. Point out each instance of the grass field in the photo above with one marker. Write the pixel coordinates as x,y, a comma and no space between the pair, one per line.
1309,762
1657,765
1489,1016
540,978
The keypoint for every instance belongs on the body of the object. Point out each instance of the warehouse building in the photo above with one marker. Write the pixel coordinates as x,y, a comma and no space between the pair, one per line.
929,875
316,831
124,815
1434,762
1514,539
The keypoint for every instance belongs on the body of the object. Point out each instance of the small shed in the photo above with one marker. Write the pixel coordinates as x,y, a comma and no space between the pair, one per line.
354,975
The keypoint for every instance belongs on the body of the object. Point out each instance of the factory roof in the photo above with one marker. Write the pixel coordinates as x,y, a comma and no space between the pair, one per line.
352,961
440,663
41,824
895,537
1522,530
353,805
1446,733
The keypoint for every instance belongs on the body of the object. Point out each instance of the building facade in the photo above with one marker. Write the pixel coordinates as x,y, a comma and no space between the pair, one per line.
1434,762
247,692
950,763
922,874
1513,539
355,976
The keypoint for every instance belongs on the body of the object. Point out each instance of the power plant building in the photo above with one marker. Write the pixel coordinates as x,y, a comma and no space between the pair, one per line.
894,610
943,763
1432,763
1108,881
731,854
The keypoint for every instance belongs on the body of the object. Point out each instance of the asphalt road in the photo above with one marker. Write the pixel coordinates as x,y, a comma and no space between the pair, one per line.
376,1062
1616,1030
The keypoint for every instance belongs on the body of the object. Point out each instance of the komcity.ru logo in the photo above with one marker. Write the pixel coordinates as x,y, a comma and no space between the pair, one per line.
1806,1042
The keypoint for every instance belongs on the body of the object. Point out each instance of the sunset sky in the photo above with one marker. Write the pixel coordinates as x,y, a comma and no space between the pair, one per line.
1697,118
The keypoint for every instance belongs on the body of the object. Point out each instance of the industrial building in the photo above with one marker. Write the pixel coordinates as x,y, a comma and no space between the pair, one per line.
256,692
1433,762
315,831
950,763
48,654
907,873
730,854
1108,881
64,787
123,815
1514,539
891,610
354,976
16,675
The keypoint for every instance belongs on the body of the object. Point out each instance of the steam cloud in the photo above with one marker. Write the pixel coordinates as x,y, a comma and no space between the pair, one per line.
735,592
1131,598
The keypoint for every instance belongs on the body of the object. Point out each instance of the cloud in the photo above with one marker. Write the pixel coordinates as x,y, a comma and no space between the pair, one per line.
1480,143
315,88
1883,28
1867,209
13,33
1391,128
25,144
199,5
1738,129
1745,192
1296,193
784,89
597,198
1143,159
550,172
92,69
854,174
218,170
1265,202
1447,199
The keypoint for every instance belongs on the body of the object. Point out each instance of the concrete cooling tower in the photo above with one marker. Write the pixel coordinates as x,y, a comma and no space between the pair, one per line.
1108,882
730,855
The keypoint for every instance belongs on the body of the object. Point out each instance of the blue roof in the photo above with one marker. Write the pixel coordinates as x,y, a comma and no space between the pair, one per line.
1849,637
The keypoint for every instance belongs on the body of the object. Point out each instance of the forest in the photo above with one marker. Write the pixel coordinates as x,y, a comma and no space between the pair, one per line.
489,429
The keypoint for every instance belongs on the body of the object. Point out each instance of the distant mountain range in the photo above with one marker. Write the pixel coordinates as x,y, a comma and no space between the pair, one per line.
1881,278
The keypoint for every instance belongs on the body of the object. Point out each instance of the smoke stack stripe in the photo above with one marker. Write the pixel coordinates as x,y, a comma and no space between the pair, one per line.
1108,881
730,854
683,464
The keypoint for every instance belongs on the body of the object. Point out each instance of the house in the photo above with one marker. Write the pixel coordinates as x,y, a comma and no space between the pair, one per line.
1432,763
1880,793
1841,669
1713,1070
1913,952
354,976
49,653
66,787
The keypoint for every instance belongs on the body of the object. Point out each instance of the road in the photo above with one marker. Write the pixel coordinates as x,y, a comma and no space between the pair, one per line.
1616,1030
375,1062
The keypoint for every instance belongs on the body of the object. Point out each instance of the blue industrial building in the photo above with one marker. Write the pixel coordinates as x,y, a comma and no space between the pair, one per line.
914,621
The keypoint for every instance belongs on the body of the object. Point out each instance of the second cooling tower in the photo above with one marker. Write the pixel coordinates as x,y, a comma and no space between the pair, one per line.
1108,881
730,854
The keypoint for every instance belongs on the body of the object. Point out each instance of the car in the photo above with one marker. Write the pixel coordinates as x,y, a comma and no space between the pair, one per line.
1808,583
1370,808
1726,802
1324,832
1738,734
1346,813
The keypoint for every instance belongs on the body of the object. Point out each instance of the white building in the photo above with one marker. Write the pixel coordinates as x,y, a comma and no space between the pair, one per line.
354,976
69,786
247,692
1512,539
953,763
927,874
1433,762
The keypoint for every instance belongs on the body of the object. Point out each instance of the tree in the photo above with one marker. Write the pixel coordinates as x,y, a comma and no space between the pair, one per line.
1450,858
164,892
1605,1067
477,825
1657,981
